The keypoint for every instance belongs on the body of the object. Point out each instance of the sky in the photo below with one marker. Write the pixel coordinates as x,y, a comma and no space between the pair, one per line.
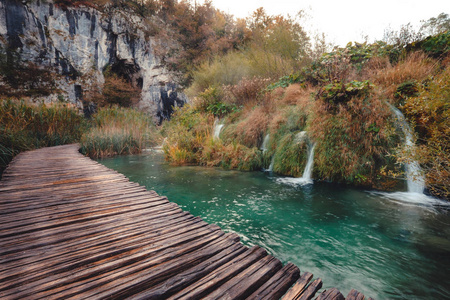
346,20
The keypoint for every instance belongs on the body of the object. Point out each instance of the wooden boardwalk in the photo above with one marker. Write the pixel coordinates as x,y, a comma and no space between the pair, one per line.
71,228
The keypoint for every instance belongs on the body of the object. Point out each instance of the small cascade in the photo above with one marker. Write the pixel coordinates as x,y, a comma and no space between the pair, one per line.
270,169
414,177
217,128
307,172
265,143
309,165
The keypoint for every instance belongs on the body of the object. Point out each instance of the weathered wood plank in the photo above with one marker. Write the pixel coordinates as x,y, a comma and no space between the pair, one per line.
134,257
34,239
125,246
216,278
331,294
278,284
355,295
50,252
298,287
186,278
311,290
71,211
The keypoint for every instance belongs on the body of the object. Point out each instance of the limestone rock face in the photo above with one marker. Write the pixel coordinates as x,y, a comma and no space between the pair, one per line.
79,43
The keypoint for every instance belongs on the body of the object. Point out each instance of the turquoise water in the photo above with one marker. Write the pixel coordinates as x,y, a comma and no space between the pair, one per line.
384,248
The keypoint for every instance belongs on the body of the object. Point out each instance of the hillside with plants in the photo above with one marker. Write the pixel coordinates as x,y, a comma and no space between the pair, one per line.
368,111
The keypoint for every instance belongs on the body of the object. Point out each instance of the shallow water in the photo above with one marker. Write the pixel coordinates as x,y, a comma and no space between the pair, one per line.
385,246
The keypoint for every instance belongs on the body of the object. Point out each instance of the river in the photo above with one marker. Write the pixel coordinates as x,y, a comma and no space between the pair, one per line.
384,247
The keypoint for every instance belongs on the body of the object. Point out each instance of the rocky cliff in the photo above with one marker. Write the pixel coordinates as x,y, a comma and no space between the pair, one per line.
79,43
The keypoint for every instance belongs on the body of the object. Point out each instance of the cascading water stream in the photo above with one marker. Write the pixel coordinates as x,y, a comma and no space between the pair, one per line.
414,174
307,172
309,165
272,162
414,177
265,143
217,128
264,149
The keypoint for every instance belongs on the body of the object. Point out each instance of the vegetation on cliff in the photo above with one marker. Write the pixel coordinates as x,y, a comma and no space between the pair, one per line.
342,100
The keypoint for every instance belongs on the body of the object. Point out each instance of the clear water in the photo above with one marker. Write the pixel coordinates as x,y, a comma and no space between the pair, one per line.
387,248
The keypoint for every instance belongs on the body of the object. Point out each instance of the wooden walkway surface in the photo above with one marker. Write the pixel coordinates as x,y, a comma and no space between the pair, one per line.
71,228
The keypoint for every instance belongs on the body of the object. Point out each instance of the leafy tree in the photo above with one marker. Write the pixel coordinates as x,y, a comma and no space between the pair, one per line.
434,26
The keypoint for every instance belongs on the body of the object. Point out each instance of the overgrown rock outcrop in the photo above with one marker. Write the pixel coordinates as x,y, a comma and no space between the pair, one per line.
73,46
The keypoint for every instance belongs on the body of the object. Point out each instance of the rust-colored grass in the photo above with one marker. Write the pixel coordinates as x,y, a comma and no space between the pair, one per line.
417,66
251,130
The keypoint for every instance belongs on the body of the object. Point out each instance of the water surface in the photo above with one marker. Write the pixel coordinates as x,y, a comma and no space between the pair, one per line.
383,247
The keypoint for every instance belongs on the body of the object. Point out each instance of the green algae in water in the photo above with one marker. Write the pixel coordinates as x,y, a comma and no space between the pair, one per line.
350,238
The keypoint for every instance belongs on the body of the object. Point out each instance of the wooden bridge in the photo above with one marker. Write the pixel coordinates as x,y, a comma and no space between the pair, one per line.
71,228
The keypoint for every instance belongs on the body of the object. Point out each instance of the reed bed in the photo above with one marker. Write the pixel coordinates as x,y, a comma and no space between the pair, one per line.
26,126
118,131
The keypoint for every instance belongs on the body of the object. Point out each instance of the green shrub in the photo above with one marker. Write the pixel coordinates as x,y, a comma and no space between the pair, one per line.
435,46
339,92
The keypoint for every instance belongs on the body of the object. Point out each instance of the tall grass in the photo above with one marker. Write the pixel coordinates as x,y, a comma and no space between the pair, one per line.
25,126
118,131
415,67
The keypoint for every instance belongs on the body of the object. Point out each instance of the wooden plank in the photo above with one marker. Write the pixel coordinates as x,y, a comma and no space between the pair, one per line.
331,294
127,246
69,230
71,211
247,281
109,282
21,203
53,251
216,278
277,286
134,257
74,200
311,290
83,217
299,287
180,262
355,295
185,279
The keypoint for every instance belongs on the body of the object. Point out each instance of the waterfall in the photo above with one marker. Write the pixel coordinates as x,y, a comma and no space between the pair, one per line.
414,177
307,172
309,165
264,149
271,164
265,143
217,128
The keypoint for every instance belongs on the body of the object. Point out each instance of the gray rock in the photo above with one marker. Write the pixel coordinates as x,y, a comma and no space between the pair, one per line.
79,43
